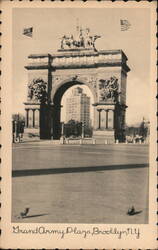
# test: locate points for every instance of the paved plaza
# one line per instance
(80, 183)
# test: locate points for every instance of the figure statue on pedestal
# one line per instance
(67, 42)
(87, 38)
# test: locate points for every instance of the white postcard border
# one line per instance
(12, 240)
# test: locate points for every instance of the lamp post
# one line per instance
(82, 130)
(62, 133)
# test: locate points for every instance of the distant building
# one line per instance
(78, 107)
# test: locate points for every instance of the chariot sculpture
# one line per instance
(83, 39)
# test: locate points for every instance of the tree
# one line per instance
(73, 128)
(18, 117)
(143, 129)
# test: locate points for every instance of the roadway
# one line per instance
(80, 183)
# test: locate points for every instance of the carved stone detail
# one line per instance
(108, 89)
(57, 79)
(90, 80)
(37, 90)
(93, 81)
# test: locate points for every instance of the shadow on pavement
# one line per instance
(35, 215)
(29, 172)
(31, 216)
(134, 213)
(137, 212)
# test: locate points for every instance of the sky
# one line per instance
(51, 24)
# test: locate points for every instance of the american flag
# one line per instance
(125, 25)
(28, 31)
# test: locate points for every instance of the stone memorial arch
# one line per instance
(77, 62)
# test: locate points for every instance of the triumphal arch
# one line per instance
(77, 62)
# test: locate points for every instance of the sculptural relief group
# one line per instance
(83, 39)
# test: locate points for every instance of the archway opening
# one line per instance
(80, 109)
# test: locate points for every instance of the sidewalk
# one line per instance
(36, 140)
(72, 142)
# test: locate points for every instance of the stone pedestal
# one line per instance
(105, 122)
(109, 122)
(32, 123)
(104, 135)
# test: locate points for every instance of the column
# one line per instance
(111, 119)
(107, 125)
(30, 118)
(99, 118)
(37, 118)
(33, 118)
(27, 118)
